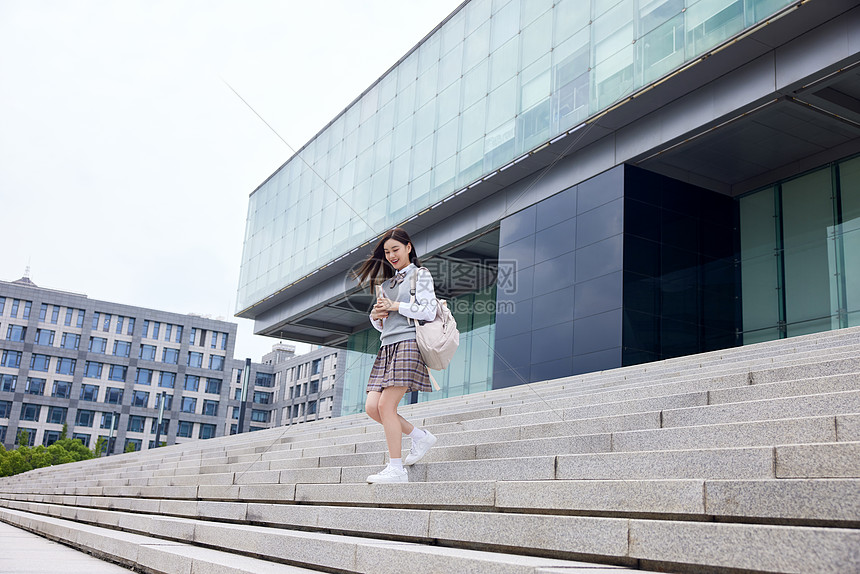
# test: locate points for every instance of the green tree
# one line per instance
(23, 438)
(130, 447)
(65, 432)
(101, 446)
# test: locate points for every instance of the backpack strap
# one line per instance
(413, 281)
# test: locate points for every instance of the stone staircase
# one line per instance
(742, 460)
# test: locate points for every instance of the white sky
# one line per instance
(126, 162)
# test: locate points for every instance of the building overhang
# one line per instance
(775, 101)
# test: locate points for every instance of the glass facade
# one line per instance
(800, 254)
(496, 80)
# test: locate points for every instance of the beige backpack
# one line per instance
(437, 339)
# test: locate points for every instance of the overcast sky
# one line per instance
(126, 162)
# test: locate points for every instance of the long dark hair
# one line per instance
(376, 268)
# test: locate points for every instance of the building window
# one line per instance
(168, 403)
(7, 383)
(117, 372)
(136, 423)
(156, 327)
(178, 338)
(57, 415)
(35, 386)
(84, 438)
(195, 359)
(147, 352)
(192, 383)
(235, 414)
(145, 328)
(2, 304)
(55, 315)
(43, 311)
(119, 324)
(237, 394)
(216, 363)
(113, 396)
(189, 404)
(85, 418)
(234, 429)
(93, 370)
(95, 325)
(97, 345)
(213, 340)
(40, 363)
(49, 437)
(144, 377)
(206, 431)
(66, 366)
(315, 387)
(89, 393)
(28, 305)
(213, 386)
(108, 419)
(170, 356)
(62, 389)
(13, 312)
(315, 367)
(210, 408)
(140, 399)
(70, 313)
(16, 333)
(262, 398)
(121, 348)
(167, 380)
(30, 412)
(106, 323)
(5, 409)
(130, 330)
(45, 337)
(312, 407)
(184, 429)
(168, 331)
(259, 416)
(223, 341)
(70, 341)
(135, 443)
(193, 336)
(264, 380)
(81, 315)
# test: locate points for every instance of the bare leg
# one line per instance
(393, 424)
(371, 407)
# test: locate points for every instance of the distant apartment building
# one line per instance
(103, 369)
(286, 389)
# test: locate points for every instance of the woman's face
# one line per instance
(397, 253)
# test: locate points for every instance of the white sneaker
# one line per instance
(389, 474)
(420, 447)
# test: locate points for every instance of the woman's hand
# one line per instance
(377, 315)
(386, 305)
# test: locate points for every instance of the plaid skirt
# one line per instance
(399, 365)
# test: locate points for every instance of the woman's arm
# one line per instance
(424, 308)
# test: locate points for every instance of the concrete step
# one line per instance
(622, 541)
(143, 553)
(315, 549)
(831, 502)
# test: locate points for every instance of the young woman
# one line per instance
(399, 367)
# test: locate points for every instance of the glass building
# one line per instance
(594, 184)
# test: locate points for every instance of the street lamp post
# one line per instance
(113, 426)
(246, 377)
(160, 418)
